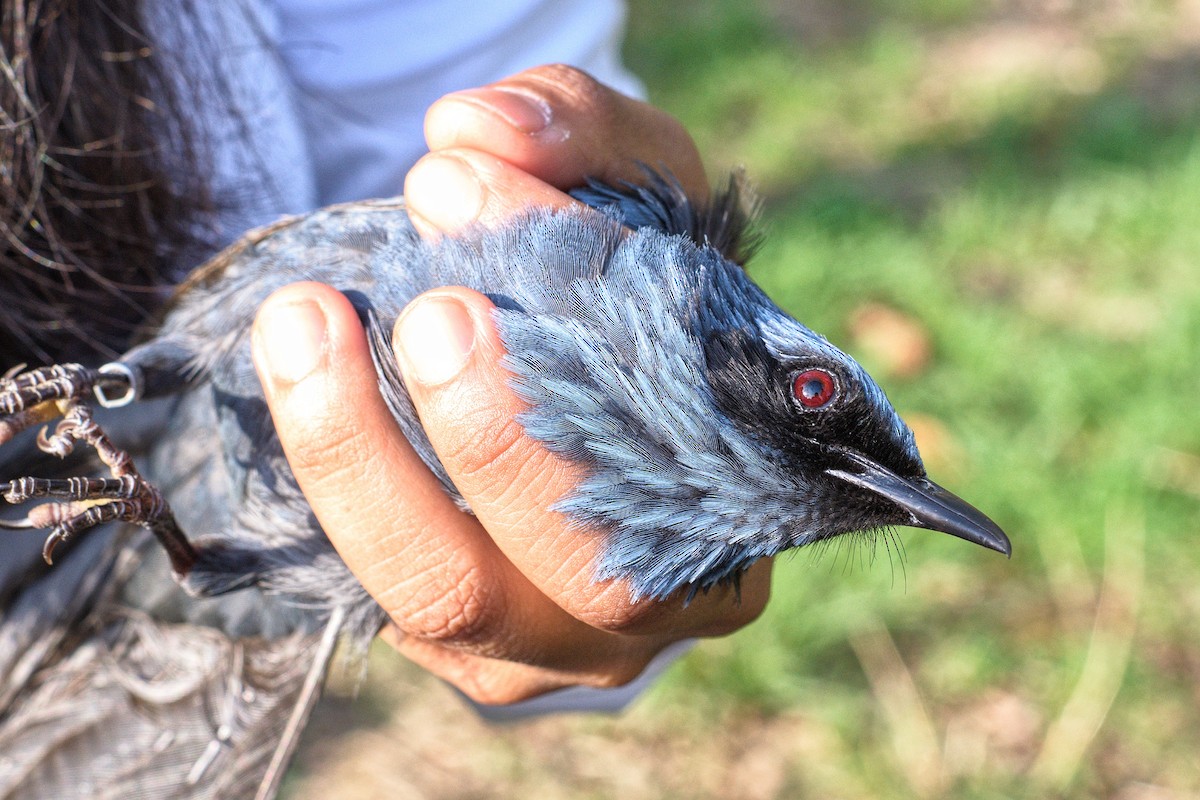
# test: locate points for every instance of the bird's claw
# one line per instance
(28, 397)
(82, 502)
(34, 396)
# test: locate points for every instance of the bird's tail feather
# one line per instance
(101, 700)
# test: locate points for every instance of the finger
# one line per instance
(447, 191)
(563, 126)
(469, 414)
(433, 569)
(499, 682)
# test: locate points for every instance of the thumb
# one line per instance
(341, 440)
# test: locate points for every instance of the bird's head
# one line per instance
(713, 428)
(816, 411)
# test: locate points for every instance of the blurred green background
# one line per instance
(996, 207)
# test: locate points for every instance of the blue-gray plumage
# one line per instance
(711, 428)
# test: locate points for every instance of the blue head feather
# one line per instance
(618, 363)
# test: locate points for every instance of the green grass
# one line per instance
(1035, 208)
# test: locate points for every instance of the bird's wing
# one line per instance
(237, 253)
(99, 700)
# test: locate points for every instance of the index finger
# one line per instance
(522, 141)
(561, 125)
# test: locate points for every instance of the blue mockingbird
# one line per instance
(711, 428)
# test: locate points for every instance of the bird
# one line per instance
(711, 429)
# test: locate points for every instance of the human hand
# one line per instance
(504, 604)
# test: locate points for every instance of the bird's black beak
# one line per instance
(930, 505)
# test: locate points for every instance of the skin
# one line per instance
(502, 605)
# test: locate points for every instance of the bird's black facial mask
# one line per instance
(803, 404)
(820, 411)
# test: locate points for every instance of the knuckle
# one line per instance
(610, 613)
(470, 613)
(575, 88)
(659, 139)
(746, 613)
(479, 451)
(493, 686)
(503, 683)
(620, 674)
(738, 616)
(500, 466)
(320, 453)
(672, 137)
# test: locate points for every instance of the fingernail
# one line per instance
(526, 112)
(445, 191)
(435, 337)
(290, 337)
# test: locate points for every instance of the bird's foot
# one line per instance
(82, 502)
(30, 397)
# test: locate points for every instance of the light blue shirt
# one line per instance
(310, 102)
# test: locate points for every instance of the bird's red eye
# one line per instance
(813, 388)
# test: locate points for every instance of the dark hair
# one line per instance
(100, 190)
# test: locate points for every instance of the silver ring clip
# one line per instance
(122, 374)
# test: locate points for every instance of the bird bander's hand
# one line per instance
(503, 605)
